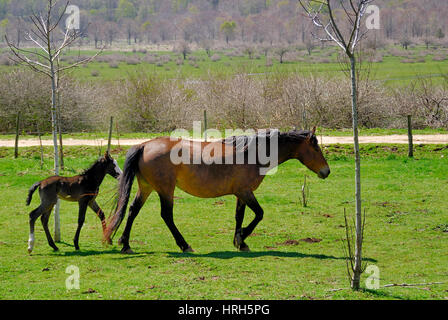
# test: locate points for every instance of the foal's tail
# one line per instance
(31, 191)
(130, 169)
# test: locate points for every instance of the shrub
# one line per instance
(132, 61)
(439, 58)
(30, 93)
(216, 57)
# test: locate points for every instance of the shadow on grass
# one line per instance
(381, 294)
(215, 255)
(255, 254)
(85, 253)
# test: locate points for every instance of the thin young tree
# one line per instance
(49, 40)
(346, 31)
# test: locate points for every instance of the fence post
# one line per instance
(411, 147)
(41, 148)
(110, 134)
(16, 146)
(205, 125)
(118, 134)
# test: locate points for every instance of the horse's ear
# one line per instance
(312, 133)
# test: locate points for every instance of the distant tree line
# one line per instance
(249, 21)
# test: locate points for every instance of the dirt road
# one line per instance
(393, 139)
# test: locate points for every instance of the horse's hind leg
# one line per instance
(137, 204)
(167, 216)
(238, 240)
(33, 217)
(83, 203)
(44, 218)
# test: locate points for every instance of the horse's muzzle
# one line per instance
(324, 173)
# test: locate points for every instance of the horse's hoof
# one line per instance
(237, 240)
(30, 250)
(127, 251)
(56, 249)
(244, 249)
(189, 249)
(109, 241)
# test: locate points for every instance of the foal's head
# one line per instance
(110, 165)
(310, 154)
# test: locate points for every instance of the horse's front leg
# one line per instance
(250, 200)
(238, 240)
(83, 203)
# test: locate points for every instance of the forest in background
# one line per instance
(204, 21)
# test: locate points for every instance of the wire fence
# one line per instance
(42, 127)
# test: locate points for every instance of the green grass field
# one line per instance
(406, 234)
(392, 70)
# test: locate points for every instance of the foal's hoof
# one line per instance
(189, 249)
(127, 251)
(107, 241)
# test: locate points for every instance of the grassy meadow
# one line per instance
(406, 234)
(391, 65)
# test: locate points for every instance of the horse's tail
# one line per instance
(130, 169)
(31, 191)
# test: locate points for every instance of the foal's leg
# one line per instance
(250, 200)
(44, 219)
(83, 203)
(239, 216)
(96, 208)
(137, 204)
(166, 203)
(36, 213)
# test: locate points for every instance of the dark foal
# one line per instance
(152, 164)
(82, 188)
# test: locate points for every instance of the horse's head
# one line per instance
(111, 165)
(310, 154)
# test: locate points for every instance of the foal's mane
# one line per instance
(92, 167)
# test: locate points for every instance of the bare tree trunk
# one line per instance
(358, 248)
(59, 126)
(54, 128)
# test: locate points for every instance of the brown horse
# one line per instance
(82, 188)
(152, 163)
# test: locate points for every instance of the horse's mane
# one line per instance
(241, 143)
